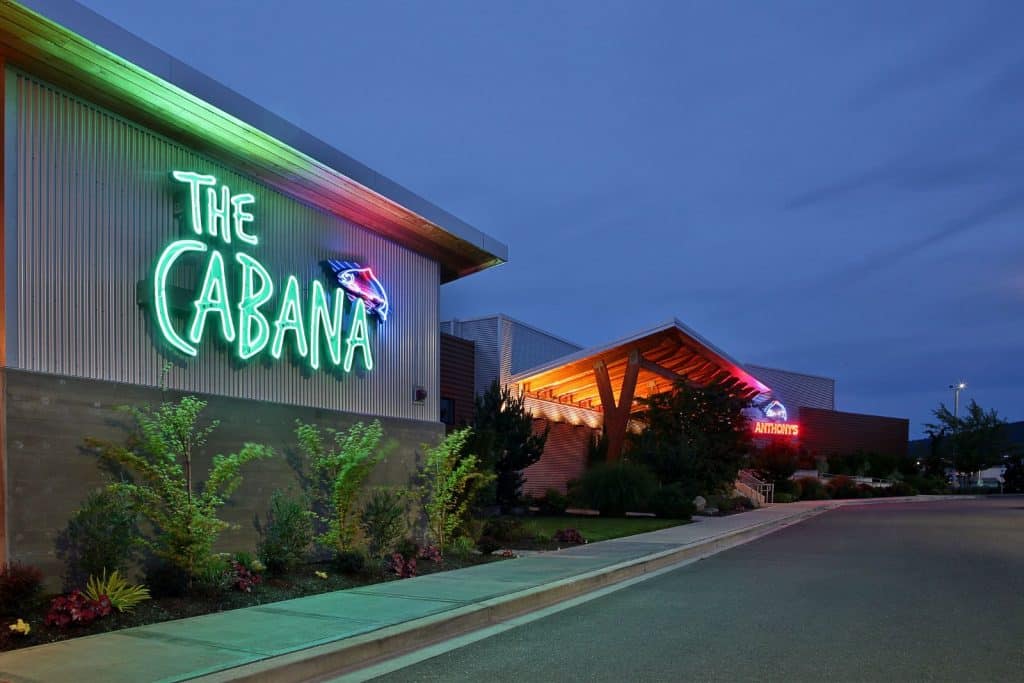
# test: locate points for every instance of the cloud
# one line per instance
(886, 258)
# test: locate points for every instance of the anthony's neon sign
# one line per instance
(321, 325)
(776, 428)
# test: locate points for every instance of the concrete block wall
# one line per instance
(48, 473)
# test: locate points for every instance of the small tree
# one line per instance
(341, 464)
(695, 436)
(776, 461)
(287, 534)
(504, 440)
(160, 453)
(445, 477)
(970, 443)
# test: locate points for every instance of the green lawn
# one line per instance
(599, 528)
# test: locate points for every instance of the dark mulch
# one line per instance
(271, 589)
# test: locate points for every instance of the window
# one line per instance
(447, 411)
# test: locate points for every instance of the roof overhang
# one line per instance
(668, 353)
(96, 59)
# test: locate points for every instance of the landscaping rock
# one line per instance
(700, 503)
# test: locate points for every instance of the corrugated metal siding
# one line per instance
(797, 390)
(457, 368)
(564, 459)
(561, 412)
(530, 347)
(505, 347)
(828, 432)
(95, 207)
(484, 333)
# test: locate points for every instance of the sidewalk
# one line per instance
(310, 636)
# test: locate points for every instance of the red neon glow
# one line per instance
(777, 428)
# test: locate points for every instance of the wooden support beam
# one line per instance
(658, 370)
(617, 411)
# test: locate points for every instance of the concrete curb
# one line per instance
(367, 649)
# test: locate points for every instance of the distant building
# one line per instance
(576, 392)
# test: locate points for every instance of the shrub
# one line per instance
(462, 547)
(784, 498)
(288, 533)
(672, 502)
(19, 587)
(555, 502)
(504, 529)
(123, 596)
(569, 536)
(431, 553)
(615, 488)
(242, 578)
(341, 464)
(867, 491)
(350, 562)
(488, 544)
(902, 488)
(445, 476)
(738, 504)
(160, 453)
(164, 579)
(76, 608)
(787, 486)
(407, 547)
(811, 488)
(842, 487)
(384, 520)
(102, 536)
(403, 567)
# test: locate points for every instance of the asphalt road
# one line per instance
(916, 592)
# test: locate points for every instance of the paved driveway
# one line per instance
(885, 592)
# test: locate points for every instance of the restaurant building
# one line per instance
(576, 393)
(164, 235)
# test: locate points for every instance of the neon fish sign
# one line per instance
(321, 325)
(776, 428)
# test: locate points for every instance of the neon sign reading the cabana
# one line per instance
(319, 330)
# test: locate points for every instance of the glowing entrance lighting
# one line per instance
(776, 428)
(217, 217)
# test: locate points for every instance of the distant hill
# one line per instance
(918, 448)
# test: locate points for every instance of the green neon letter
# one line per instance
(195, 181)
(217, 215)
(213, 298)
(252, 342)
(358, 338)
(320, 318)
(163, 316)
(240, 217)
(289, 318)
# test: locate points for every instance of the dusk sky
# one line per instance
(832, 188)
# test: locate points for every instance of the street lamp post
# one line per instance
(957, 388)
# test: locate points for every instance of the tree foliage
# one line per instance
(341, 461)
(160, 453)
(446, 476)
(776, 461)
(504, 441)
(694, 436)
(969, 443)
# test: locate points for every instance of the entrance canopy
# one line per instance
(611, 377)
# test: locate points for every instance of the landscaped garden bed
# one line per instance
(140, 550)
(311, 579)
